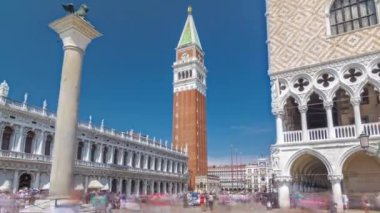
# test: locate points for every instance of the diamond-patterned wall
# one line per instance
(298, 36)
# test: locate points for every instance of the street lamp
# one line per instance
(364, 141)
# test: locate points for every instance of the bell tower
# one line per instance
(189, 102)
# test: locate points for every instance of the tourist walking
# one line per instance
(211, 201)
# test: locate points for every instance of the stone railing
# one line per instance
(339, 132)
(292, 136)
(24, 156)
(318, 134)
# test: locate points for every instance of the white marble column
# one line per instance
(358, 119)
(138, 160)
(137, 187)
(121, 157)
(76, 34)
(158, 186)
(159, 164)
(279, 127)
(129, 158)
(303, 110)
(40, 143)
(111, 152)
(15, 181)
(330, 123)
(165, 166)
(87, 152)
(18, 139)
(145, 192)
(337, 190)
(99, 154)
(152, 187)
(129, 187)
(284, 191)
(153, 163)
(86, 184)
(146, 162)
(120, 185)
(170, 188)
(36, 183)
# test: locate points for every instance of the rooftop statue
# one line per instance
(81, 12)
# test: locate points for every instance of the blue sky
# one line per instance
(127, 74)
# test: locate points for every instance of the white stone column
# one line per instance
(40, 143)
(284, 191)
(152, 187)
(36, 183)
(158, 186)
(330, 123)
(165, 166)
(15, 181)
(121, 157)
(129, 159)
(279, 127)
(159, 164)
(303, 110)
(337, 190)
(86, 184)
(18, 139)
(153, 163)
(358, 119)
(100, 148)
(110, 154)
(138, 160)
(170, 188)
(76, 34)
(87, 152)
(137, 187)
(129, 187)
(145, 192)
(120, 185)
(146, 162)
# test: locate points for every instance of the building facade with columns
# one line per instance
(324, 66)
(126, 162)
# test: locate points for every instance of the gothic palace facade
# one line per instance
(324, 65)
(123, 162)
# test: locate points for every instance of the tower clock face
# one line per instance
(184, 56)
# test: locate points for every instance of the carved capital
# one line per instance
(335, 178)
(302, 108)
(278, 112)
(283, 179)
(355, 101)
(328, 105)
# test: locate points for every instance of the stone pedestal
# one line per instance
(76, 34)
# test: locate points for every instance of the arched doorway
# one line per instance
(124, 187)
(114, 185)
(309, 175)
(25, 181)
(361, 174)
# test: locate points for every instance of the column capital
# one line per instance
(74, 31)
(328, 104)
(335, 178)
(278, 112)
(302, 108)
(355, 101)
(283, 179)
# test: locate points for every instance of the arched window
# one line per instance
(348, 15)
(191, 73)
(115, 156)
(93, 151)
(48, 143)
(179, 76)
(141, 161)
(105, 151)
(125, 158)
(29, 142)
(79, 151)
(7, 135)
(187, 74)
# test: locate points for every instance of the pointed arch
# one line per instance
(307, 151)
(289, 95)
